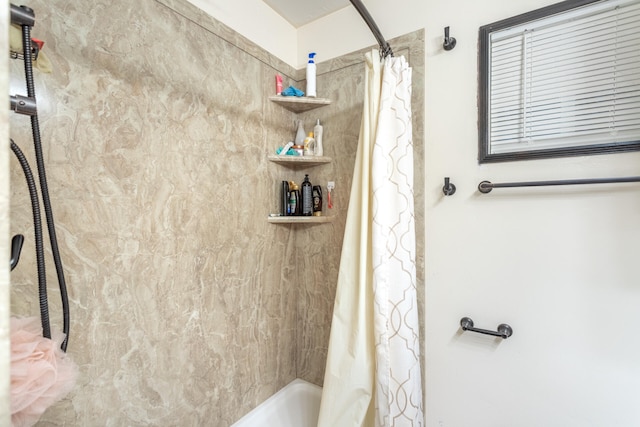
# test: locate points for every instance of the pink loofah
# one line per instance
(41, 373)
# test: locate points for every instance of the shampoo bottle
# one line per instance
(317, 133)
(294, 199)
(309, 145)
(311, 76)
(307, 197)
(317, 200)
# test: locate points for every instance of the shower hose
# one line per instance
(35, 130)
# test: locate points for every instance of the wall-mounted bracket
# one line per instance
(23, 105)
(449, 189)
(449, 42)
(504, 331)
(16, 249)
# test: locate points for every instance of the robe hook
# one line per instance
(449, 189)
(449, 42)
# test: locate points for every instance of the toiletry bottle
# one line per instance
(317, 134)
(307, 197)
(317, 200)
(298, 149)
(309, 145)
(278, 84)
(300, 133)
(311, 76)
(294, 196)
(284, 198)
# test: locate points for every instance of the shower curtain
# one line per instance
(372, 376)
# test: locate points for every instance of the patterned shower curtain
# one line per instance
(372, 376)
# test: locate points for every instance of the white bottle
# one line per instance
(311, 76)
(317, 133)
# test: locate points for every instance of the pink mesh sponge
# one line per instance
(41, 373)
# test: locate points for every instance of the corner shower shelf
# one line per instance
(300, 219)
(299, 160)
(299, 104)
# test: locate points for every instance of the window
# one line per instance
(559, 81)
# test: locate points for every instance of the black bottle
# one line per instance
(307, 197)
(284, 198)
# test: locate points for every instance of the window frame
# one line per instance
(484, 69)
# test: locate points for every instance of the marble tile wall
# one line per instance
(187, 307)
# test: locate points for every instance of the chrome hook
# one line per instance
(449, 42)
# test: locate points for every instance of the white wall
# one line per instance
(345, 31)
(557, 263)
(257, 22)
(334, 35)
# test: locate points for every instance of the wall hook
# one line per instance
(449, 189)
(449, 42)
(16, 248)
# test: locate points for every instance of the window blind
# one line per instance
(567, 80)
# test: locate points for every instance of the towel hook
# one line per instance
(449, 42)
(449, 189)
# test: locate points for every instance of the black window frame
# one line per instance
(484, 154)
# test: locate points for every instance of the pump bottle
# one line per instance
(307, 197)
(311, 76)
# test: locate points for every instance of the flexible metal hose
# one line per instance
(37, 228)
(35, 129)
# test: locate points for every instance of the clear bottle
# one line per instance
(307, 197)
(317, 134)
(309, 145)
(300, 133)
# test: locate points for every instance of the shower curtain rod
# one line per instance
(385, 48)
(486, 186)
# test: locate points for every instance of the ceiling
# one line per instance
(301, 12)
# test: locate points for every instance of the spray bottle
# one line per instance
(311, 76)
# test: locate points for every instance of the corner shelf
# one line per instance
(299, 160)
(299, 104)
(300, 219)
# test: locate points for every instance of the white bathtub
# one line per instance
(296, 405)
